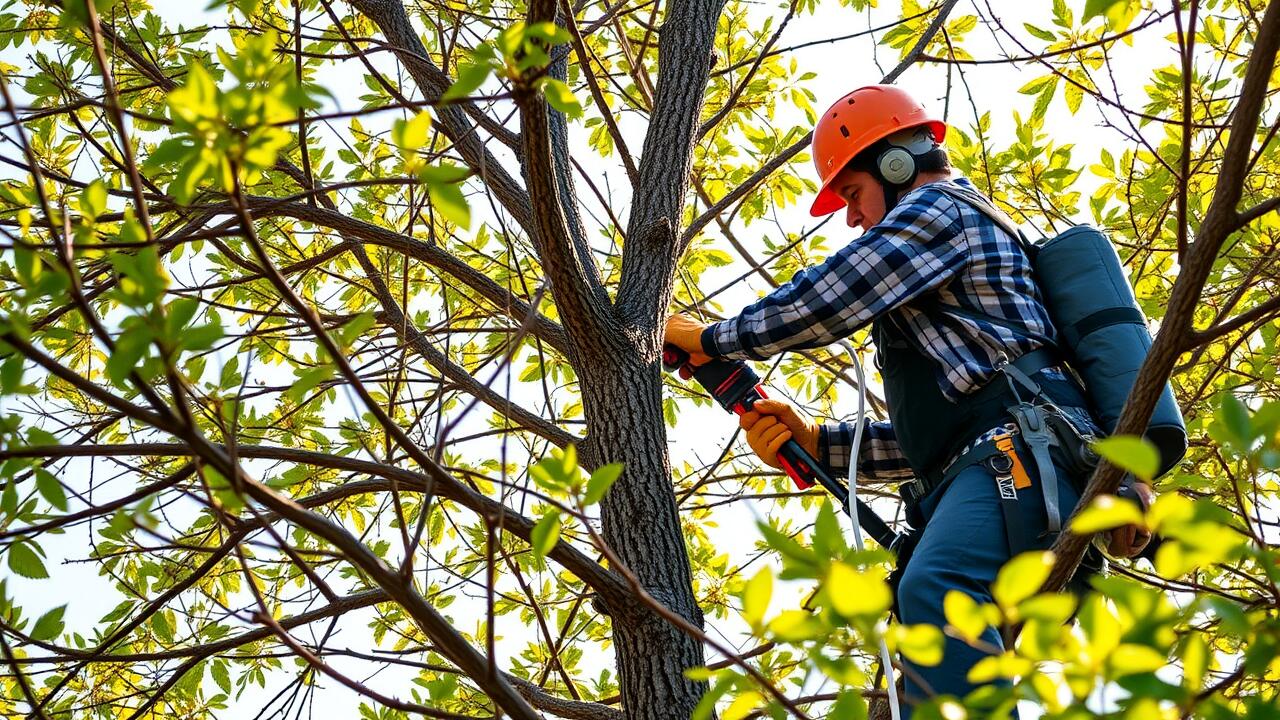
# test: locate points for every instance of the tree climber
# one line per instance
(958, 322)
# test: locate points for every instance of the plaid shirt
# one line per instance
(928, 245)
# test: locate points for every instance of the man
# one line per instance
(955, 316)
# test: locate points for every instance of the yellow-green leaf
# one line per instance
(921, 644)
(756, 595)
(963, 614)
(1131, 659)
(545, 534)
(1132, 454)
(1105, 513)
(854, 593)
(1020, 578)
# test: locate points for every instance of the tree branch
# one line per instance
(1218, 224)
(652, 253)
(391, 18)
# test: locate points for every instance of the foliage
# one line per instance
(415, 406)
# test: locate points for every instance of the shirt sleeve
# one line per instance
(881, 457)
(917, 248)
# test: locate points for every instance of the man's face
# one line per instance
(864, 196)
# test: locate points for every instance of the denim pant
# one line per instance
(962, 548)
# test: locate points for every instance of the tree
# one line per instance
(270, 320)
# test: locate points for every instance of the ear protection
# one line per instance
(896, 163)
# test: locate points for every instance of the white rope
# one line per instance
(886, 662)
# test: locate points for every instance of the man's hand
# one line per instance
(686, 333)
(771, 423)
(1129, 540)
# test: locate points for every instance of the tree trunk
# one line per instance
(623, 398)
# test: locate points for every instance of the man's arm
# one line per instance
(917, 248)
(880, 458)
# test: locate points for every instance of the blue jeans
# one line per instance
(962, 548)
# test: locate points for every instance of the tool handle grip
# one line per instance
(806, 471)
(673, 358)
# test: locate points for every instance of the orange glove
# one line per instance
(686, 333)
(1129, 540)
(771, 423)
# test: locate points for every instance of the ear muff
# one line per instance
(898, 161)
(896, 165)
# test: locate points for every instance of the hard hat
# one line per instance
(854, 123)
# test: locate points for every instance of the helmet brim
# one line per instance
(829, 201)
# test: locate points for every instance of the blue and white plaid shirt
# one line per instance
(927, 245)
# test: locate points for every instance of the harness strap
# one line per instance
(1038, 436)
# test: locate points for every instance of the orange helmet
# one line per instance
(853, 124)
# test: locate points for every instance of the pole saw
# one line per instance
(736, 387)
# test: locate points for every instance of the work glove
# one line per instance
(1129, 540)
(686, 333)
(771, 423)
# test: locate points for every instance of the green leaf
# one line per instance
(51, 489)
(201, 337)
(545, 534)
(558, 471)
(827, 537)
(849, 705)
(1105, 513)
(561, 97)
(220, 675)
(964, 615)
(755, 597)
(178, 314)
(1020, 578)
(93, 199)
(600, 482)
(160, 624)
(470, 77)
(49, 626)
(356, 327)
(130, 348)
(169, 152)
(1041, 34)
(447, 200)
(1234, 415)
(854, 593)
(1037, 85)
(1131, 454)
(307, 380)
(788, 548)
(24, 561)
(443, 173)
(1095, 8)
(11, 374)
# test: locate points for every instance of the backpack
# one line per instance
(1102, 333)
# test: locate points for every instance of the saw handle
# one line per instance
(736, 387)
